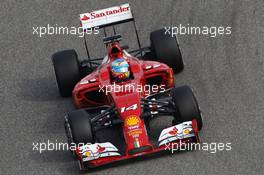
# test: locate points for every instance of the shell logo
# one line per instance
(88, 154)
(186, 131)
(132, 120)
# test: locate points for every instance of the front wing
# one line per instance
(98, 154)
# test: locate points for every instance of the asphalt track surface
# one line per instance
(226, 72)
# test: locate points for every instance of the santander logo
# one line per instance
(104, 13)
(174, 131)
(85, 18)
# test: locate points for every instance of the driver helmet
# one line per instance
(120, 70)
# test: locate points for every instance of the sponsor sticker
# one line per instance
(135, 133)
(106, 16)
(132, 120)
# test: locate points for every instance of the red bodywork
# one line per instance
(86, 94)
(142, 72)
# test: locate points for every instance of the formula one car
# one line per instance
(114, 105)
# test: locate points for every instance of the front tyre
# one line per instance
(78, 127)
(186, 105)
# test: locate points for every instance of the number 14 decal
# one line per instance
(132, 107)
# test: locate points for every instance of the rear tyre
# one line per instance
(78, 127)
(67, 71)
(186, 105)
(166, 49)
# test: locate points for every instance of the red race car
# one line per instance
(117, 98)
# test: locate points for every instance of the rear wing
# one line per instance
(107, 17)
